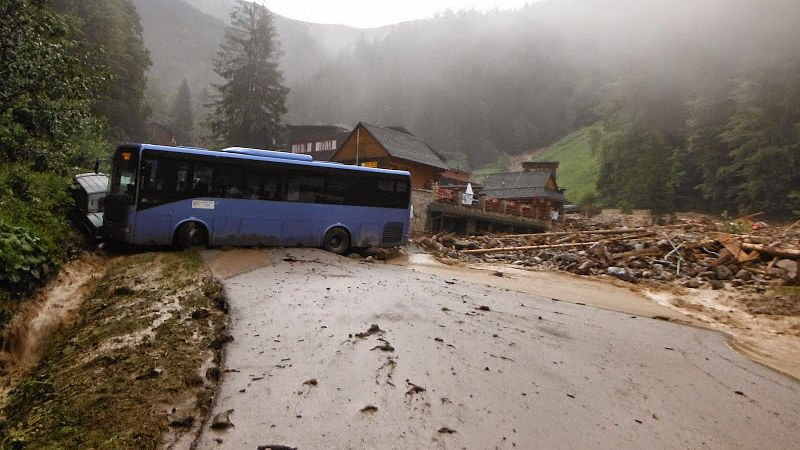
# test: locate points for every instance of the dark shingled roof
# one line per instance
(520, 185)
(406, 146)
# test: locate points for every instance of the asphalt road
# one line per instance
(461, 364)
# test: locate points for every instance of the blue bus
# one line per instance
(185, 197)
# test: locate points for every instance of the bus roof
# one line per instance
(251, 157)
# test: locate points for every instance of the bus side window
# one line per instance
(201, 180)
(228, 182)
(263, 185)
(401, 194)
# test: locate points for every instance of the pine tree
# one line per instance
(110, 32)
(182, 115)
(249, 104)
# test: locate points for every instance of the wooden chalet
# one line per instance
(319, 141)
(392, 148)
(535, 186)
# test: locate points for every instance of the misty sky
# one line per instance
(373, 13)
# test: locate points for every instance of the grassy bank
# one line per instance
(147, 340)
(579, 167)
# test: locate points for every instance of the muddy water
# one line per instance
(560, 286)
(231, 262)
(461, 363)
(56, 305)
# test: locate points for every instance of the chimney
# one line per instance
(540, 166)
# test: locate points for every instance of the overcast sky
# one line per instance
(374, 13)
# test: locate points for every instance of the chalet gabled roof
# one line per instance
(405, 146)
(513, 185)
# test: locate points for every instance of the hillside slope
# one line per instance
(579, 168)
(182, 42)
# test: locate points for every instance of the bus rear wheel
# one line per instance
(337, 240)
(190, 234)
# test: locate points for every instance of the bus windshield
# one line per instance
(123, 177)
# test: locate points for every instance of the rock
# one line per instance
(658, 269)
(185, 422)
(566, 257)
(369, 409)
(378, 253)
(621, 273)
(220, 341)
(213, 374)
(222, 420)
(498, 274)
(201, 313)
(585, 267)
(692, 283)
(193, 380)
(723, 273)
(518, 263)
(666, 276)
(154, 372)
(789, 266)
(462, 244)
(717, 284)
(744, 275)
(647, 274)
(708, 275)
(636, 264)
(777, 272)
(535, 260)
(369, 259)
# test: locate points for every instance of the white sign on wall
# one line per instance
(202, 204)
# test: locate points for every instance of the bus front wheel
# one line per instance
(337, 240)
(190, 234)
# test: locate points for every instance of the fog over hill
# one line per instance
(708, 91)
(183, 37)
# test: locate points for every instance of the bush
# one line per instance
(25, 260)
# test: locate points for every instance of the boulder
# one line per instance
(789, 266)
(723, 273)
(692, 283)
(744, 275)
(621, 273)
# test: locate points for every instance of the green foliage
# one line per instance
(634, 169)
(24, 259)
(251, 101)
(110, 36)
(579, 167)
(42, 210)
(45, 86)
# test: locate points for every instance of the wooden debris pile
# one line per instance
(694, 252)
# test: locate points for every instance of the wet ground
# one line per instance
(459, 360)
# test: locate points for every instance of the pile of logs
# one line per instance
(694, 252)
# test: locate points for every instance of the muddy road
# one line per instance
(331, 352)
